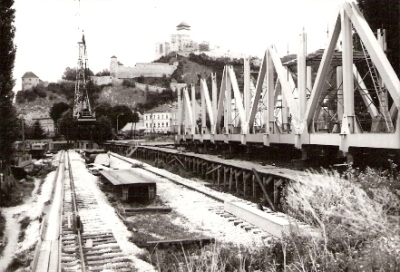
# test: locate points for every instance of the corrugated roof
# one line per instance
(29, 75)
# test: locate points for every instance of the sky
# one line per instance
(47, 31)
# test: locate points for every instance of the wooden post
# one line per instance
(254, 185)
(263, 188)
(219, 176)
(231, 179)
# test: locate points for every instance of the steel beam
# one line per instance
(301, 73)
(375, 51)
(210, 110)
(194, 111)
(285, 86)
(259, 85)
(238, 100)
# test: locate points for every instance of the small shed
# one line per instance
(130, 185)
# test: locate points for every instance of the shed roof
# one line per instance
(29, 75)
(125, 177)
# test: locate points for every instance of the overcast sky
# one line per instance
(47, 31)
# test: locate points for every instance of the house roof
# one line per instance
(162, 108)
(29, 75)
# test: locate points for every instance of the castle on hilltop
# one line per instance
(182, 44)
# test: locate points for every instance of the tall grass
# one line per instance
(357, 215)
(359, 223)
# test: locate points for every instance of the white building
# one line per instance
(162, 119)
(162, 49)
(29, 80)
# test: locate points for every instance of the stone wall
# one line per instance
(146, 70)
(101, 80)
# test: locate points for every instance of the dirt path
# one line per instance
(11, 232)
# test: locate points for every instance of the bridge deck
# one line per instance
(244, 165)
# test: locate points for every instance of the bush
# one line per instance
(39, 91)
(27, 95)
(128, 83)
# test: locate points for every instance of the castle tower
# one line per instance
(29, 80)
(114, 66)
(181, 40)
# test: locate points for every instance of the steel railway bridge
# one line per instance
(334, 103)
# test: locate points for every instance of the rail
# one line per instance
(44, 223)
(75, 209)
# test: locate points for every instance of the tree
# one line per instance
(103, 109)
(105, 72)
(70, 74)
(102, 130)
(385, 14)
(121, 112)
(57, 110)
(129, 83)
(141, 79)
(8, 117)
(67, 126)
(134, 120)
(37, 131)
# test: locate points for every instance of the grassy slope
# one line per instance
(119, 95)
(114, 95)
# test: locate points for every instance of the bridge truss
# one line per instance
(338, 100)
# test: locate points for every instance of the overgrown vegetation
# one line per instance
(21, 261)
(356, 221)
(358, 218)
(154, 99)
(2, 229)
(8, 120)
(24, 224)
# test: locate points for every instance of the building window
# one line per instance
(166, 116)
(166, 124)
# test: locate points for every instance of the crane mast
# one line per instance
(82, 110)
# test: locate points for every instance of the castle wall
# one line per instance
(102, 80)
(146, 70)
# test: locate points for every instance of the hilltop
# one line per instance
(142, 92)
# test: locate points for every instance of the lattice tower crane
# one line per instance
(82, 110)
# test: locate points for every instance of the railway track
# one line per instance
(93, 246)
